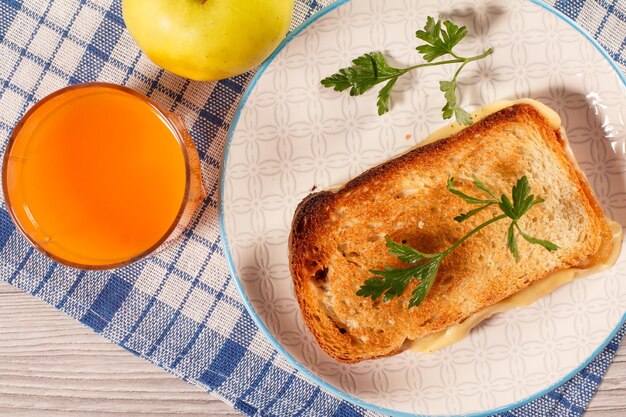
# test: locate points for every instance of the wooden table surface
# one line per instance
(51, 365)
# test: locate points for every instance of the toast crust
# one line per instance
(337, 237)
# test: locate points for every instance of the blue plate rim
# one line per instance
(257, 319)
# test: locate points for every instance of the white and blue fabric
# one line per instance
(179, 308)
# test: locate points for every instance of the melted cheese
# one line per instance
(532, 293)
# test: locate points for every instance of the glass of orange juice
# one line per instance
(97, 176)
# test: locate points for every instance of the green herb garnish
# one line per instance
(372, 68)
(391, 282)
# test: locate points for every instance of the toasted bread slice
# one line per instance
(337, 237)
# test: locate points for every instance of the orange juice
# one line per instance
(96, 176)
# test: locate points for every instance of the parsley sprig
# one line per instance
(391, 282)
(372, 68)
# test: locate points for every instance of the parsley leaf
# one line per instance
(405, 253)
(451, 107)
(393, 281)
(427, 278)
(366, 71)
(510, 241)
(472, 200)
(384, 97)
(370, 69)
(523, 201)
(465, 197)
(439, 42)
(533, 240)
(464, 216)
(479, 184)
(507, 207)
(389, 282)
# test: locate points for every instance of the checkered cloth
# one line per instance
(179, 309)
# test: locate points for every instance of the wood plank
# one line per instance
(48, 367)
(52, 365)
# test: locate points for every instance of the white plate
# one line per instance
(291, 134)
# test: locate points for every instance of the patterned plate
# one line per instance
(290, 135)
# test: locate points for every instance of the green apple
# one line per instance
(207, 39)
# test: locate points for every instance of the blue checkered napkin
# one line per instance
(179, 309)
(604, 20)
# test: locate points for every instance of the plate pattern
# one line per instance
(294, 136)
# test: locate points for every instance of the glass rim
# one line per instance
(174, 124)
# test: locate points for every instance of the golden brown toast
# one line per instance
(337, 237)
